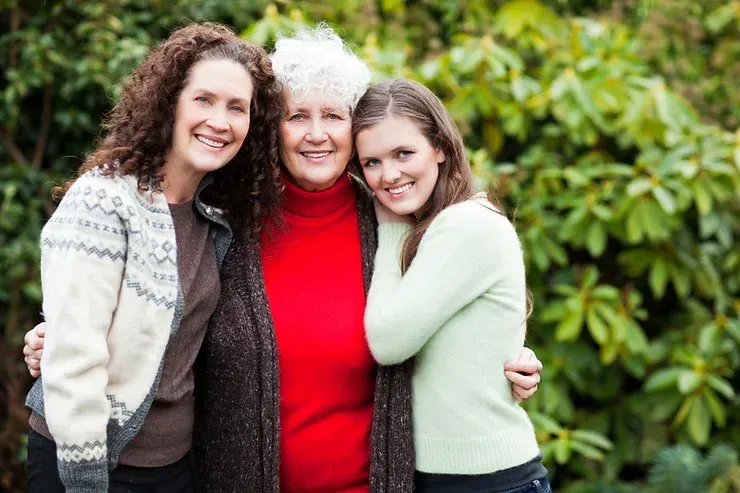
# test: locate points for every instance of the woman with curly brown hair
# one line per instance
(130, 264)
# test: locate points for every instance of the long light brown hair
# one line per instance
(409, 99)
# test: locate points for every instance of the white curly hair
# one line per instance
(317, 60)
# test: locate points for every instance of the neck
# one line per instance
(301, 202)
(179, 184)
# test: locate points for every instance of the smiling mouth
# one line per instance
(401, 189)
(318, 155)
(210, 142)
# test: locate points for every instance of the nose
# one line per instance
(316, 132)
(218, 121)
(391, 173)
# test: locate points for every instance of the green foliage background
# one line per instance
(608, 127)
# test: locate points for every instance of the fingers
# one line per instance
(518, 366)
(526, 382)
(522, 395)
(34, 349)
(32, 363)
(34, 338)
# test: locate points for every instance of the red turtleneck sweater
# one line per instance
(313, 275)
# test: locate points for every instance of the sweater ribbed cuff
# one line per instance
(391, 237)
(88, 477)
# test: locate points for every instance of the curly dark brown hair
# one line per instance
(139, 128)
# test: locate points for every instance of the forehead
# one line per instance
(311, 100)
(388, 134)
(221, 77)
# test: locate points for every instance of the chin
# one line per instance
(401, 209)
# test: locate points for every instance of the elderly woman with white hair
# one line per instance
(288, 397)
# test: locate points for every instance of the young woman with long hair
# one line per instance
(449, 291)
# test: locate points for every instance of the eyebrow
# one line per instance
(305, 109)
(393, 151)
(206, 92)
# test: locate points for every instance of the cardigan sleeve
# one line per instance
(463, 253)
(83, 253)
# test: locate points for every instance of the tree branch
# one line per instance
(38, 155)
(15, 153)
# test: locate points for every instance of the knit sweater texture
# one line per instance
(166, 434)
(111, 302)
(327, 375)
(460, 311)
(237, 433)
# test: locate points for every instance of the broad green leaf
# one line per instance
(635, 339)
(664, 379)
(609, 352)
(596, 239)
(715, 406)
(593, 438)
(681, 280)
(605, 293)
(702, 198)
(733, 328)
(586, 450)
(563, 451)
(570, 327)
(639, 186)
(665, 199)
(590, 277)
(658, 278)
(721, 385)
(721, 17)
(597, 327)
(546, 423)
(689, 381)
(699, 423)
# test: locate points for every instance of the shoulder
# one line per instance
(475, 218)
(95, 187)
(110, 199)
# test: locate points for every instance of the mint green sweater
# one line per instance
(460, 311)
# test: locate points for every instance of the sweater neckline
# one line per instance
(299, 202)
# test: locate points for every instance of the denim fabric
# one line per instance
(475, 484)
(537, 486)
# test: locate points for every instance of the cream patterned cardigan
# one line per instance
(111, 300)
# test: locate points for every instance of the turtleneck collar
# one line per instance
(317, 204)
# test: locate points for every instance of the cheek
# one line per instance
(243, 129)
(287, 139)
(373, 177)
(343, 139)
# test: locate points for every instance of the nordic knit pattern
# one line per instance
(460, 311)
(111, 301)
(236, 441)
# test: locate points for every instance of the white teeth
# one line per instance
(209, 142)
(401, 189)
(315, 155)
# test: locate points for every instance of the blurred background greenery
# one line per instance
(609, 128)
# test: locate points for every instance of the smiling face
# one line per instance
(399, 164)
(315, 141)
(211, 118)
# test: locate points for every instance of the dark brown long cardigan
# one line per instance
(236, 443)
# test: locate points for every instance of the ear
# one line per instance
(440, 156)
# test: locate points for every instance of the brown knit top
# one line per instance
(236, 437)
